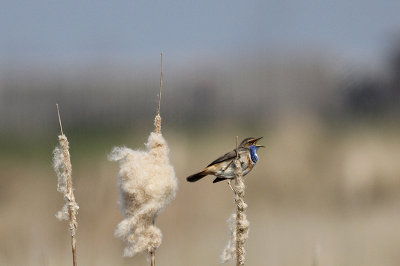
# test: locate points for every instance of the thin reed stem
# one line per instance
(153, 251)
(73, 245)
(153, 258)
(59, 119)
(158, 116)
(161, 82)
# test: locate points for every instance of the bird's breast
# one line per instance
(247, 164)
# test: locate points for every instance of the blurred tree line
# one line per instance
(263, 86)
(376, 94)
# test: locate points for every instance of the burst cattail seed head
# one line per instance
(238, 223)
(62, 167)
(147, 184)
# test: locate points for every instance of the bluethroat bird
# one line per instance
(224, 167)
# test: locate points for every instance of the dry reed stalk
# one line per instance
(147, 184)
(238, 223)
(63, 168)
(157, 123)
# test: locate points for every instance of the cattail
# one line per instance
(238, 223)
(147, 184)
(63, 169)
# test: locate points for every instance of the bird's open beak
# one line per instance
(256, 140)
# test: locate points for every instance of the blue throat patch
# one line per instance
(253, 153)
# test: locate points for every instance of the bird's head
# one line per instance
(248, 142)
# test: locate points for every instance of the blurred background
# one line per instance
(319, 80)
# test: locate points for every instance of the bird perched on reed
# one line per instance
(224, 167)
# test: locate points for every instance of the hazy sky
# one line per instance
(84, 30)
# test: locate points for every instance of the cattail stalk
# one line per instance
(62, 166)
(157, 122)
(147, 184)
(239, 225)
(242, 225)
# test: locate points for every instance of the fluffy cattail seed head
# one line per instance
(63, 169)
(147, 184)
(238, 223)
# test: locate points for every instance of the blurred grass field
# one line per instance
(320, 192)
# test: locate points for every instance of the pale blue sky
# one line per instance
(84, 30)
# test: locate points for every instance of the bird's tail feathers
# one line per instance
(196, 177)
(219, 179)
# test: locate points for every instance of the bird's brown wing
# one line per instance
(227, 156)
